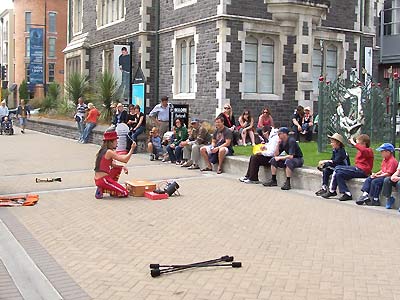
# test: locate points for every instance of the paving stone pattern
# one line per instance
(292, 245)
(8, 290)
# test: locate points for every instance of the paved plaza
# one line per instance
(292, 244)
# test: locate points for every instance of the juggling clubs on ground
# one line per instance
(56, 179)
(157, 269)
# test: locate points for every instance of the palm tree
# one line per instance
(77, 86)
(107, 90)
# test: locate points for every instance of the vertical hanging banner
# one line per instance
(139, 89)
(122, 71)
(36, 56)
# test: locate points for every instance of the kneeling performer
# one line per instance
(106, 171)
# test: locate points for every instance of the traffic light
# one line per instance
(3, 72)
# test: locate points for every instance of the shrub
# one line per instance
(23, 90)
(77, 85)
(107, 91)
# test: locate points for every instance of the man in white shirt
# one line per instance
(263, 157)
(160, 114)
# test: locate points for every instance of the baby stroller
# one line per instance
(6, 126)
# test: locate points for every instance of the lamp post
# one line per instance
(395, 101)
(321, 100)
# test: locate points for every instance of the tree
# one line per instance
(107, 90)
(23, 90)
(77, 86)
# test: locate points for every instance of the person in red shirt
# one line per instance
(107, 171)
(364, 163)
(91, 121)
(373, 184)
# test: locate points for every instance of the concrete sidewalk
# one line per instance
(292, 245)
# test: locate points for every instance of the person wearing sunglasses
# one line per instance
(229, 122)
(265, 119)
(246, 127)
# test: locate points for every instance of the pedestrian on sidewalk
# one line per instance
(107, 172)
(364, 163)
(24, 113)
(287, 155)
(80, 114)
(373, 184)
(90, 121)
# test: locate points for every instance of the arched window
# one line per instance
(324, 62)
(266, 78)
(331, 62)
(187, 61)
(250, 68)
(259, 65)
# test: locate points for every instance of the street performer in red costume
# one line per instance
(106, 171)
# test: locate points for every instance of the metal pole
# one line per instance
(321, 114)
(44, 50)
(395, 97)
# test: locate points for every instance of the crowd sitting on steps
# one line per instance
(272, 147)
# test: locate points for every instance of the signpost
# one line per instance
(180, 111)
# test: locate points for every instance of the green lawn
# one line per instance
(312, 157)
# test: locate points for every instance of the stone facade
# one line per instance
(218, 32)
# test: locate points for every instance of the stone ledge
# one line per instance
(305, 178)
(68, 129)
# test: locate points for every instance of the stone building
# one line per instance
(52, 17)
(390, 39)
(248, 53)
(6, 50)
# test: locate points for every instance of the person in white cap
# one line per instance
(3, 110)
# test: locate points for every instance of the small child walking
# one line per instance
(373, 184)
(364, 162)
(339, 158)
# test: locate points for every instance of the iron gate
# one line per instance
(351, 108)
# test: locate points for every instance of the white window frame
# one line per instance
(110, 12)
(55, 21)
(189, 36)
(278, 63)
(108, 61)
(259, 63)
(340, 63)
(183, 3)
(27, 46)
(368, 8)
(27, 25)
(55, 47)
(77, 19)
(54, 72)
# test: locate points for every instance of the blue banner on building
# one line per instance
(36, 56)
